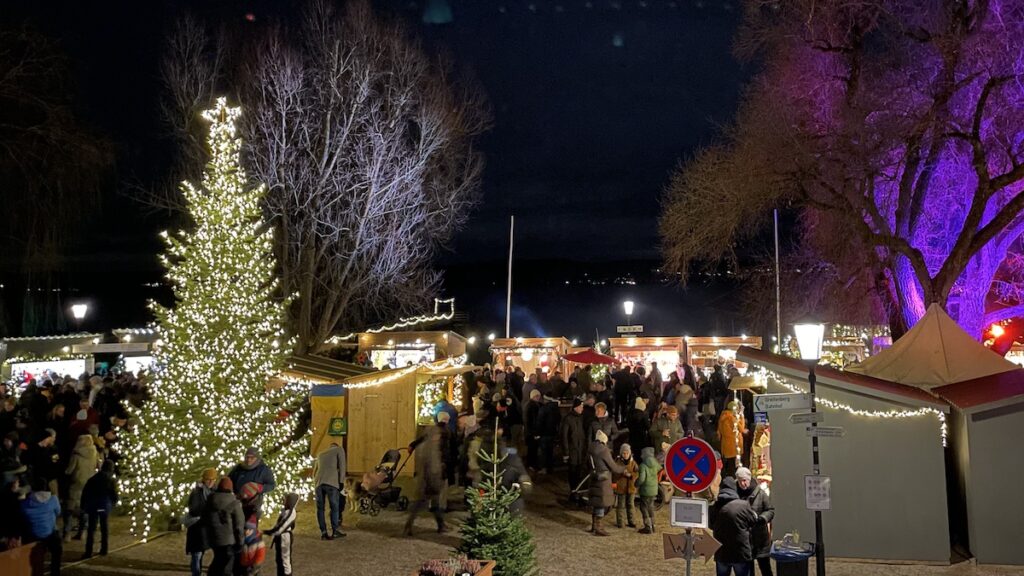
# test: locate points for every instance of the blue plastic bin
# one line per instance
(792, 561)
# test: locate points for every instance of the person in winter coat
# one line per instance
(44, 460)
(624, 392)
(647, 487)
(688, 413)
(604, 469)
(431, 475)
(282, 534)
(253, 469)
(81, 467)
(40, 511)
(732, 520)
(196, 543)
(531, 420)
(575, 448)
(718, 389)
(732, 427)
(603, 422)
(224, 526)
(665, 429)
(548, 419)
(639, 425)
(329, 479)
(98, 500)
(761, 503)
(513, 476)
(625, 487)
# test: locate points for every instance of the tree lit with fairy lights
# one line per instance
(218, 346)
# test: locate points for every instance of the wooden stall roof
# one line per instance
(988, 391)
(558, 342)
(47, 344)
(647, 343)
(322, 369)
(381, 339)
(714, 342)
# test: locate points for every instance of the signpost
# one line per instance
(691, 467)
(769, 402)
(632, 329)
(807, 418)
(825, 432)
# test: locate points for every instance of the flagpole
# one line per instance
(778, 291)
(508, 297)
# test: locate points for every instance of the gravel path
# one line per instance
(373, 546)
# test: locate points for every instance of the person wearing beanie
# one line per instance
(195, 539)
(282, 534)
(253, 469)
(639, 425)
(732, 520)
(224, 526)
(761, 503)
(604, 469)
(625, 487)
(575, 448)
(647, 486)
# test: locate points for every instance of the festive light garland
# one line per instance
(400, 372)
(764, 374)
(406, 322)
(221, 344)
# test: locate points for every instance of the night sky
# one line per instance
(594, 104)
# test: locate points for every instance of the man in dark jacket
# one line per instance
(548, 419)
(605, 423)
(329, 479)
(253, 469)
(575, 448)
(98, 500)
(624, 394)
(531, 421)
(432, 478)
(732, 520)
(718, 390)
(639, 425)
(761, 503)
(224, 524)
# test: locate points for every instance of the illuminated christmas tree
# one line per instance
(218, 346)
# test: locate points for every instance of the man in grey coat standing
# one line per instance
(329, 477)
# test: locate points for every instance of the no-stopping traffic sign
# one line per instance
(690, 464)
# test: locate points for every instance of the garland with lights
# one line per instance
(764, 374)
(221, 344)
(406, 322)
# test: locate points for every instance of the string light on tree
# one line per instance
(221, 343)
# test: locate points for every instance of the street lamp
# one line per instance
(809, 338)
(78, 311)
(627, 306)
(490, 337)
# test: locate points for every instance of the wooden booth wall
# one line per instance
(380, 418)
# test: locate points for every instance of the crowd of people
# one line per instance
(59, 458)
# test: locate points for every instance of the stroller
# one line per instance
(377, 488)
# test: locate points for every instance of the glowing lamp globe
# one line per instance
(627, 306)
(809, 338)
(79, 310)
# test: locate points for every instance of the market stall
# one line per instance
(40, 357)
(987, 392)
(665, 352)
(531, 353)
(888, 480)
(386, 350)
(704, 352)
(386, 408)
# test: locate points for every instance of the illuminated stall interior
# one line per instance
(386, 350)
(706, 351)
(40, 357)
(531, 353)
(665, 351)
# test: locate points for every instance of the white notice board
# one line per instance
(818, 492)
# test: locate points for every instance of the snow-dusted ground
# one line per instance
(373, 546)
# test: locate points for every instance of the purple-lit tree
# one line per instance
(895, 128)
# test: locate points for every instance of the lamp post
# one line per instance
(627, 306)
(809, 337)
(78, 311)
